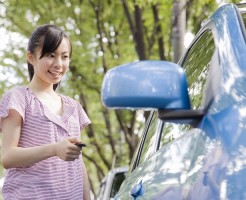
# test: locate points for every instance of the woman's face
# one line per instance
(51, 67)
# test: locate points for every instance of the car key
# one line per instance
(79, 144)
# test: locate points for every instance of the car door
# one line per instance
(145, 150)
(192, 145)
(171, 154)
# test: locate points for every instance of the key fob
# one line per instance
(79, 144)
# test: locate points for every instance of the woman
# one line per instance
(40, 127)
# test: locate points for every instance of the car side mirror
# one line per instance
(146, 85)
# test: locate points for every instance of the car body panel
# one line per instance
(163, 169)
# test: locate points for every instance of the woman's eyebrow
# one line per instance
(64, 52)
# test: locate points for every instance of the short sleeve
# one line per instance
(83, 118)
(13, 99)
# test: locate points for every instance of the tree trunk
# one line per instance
(179, 28)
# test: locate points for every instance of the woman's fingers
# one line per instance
(67, 150)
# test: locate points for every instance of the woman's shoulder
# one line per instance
(14, 98)
(17, 91)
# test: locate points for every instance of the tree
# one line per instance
(179, 29)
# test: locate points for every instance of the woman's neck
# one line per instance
(48, 97)
(38, 88)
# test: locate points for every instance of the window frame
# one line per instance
(139, 149)
(209, 29)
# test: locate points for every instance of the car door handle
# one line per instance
(137, 190)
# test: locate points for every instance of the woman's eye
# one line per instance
(51, 55)
(66, 57)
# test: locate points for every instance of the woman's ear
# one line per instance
(29, 57)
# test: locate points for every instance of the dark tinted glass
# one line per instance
(196, 65)
(119, 178)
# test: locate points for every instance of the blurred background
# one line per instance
(104, 33)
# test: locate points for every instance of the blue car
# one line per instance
(194, 142)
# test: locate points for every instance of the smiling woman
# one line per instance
(40, 127)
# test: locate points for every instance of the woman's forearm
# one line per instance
(23, 157)
(86, 193)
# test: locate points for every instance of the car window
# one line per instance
(119, 178)
(150, 142)
(196, 65)
(137, 153)
(172, 131)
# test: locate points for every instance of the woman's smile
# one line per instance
(55, 73)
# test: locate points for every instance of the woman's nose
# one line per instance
(58, 62)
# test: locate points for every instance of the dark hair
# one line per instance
(47, 37)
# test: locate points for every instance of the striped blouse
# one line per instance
(52, 178)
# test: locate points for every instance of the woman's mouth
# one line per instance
(55, 73)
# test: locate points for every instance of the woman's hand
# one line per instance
(67, 150)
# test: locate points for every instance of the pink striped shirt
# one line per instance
(52, 178)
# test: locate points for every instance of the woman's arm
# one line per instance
(14, 156)
(86, 193)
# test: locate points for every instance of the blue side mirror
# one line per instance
(146, 85)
